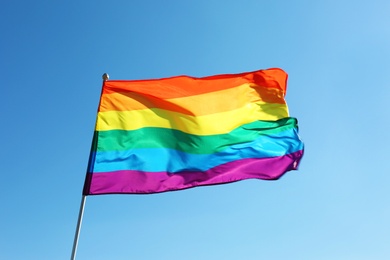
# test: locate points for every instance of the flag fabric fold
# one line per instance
(175, 133)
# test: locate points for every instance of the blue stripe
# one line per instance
(170, 160)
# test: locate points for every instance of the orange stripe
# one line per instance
(203, 104)
(182, 86)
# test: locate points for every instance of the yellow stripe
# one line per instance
(200, 125)
(196, 105)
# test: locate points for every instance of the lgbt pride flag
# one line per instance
(175, 133)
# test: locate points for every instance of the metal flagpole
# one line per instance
(76, 236)
(82, 205)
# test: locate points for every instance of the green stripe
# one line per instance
(152, 137)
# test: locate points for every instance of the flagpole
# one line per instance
(76, 236)
(82, 205)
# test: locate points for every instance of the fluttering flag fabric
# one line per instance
(175, 133)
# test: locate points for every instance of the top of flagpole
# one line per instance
(105, 77)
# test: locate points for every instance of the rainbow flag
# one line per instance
(175, 133)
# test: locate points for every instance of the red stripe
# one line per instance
(182, 86)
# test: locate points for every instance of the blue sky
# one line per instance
(337, 55)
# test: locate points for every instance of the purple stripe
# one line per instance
(152, 182)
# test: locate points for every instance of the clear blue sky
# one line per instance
(337, 54)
